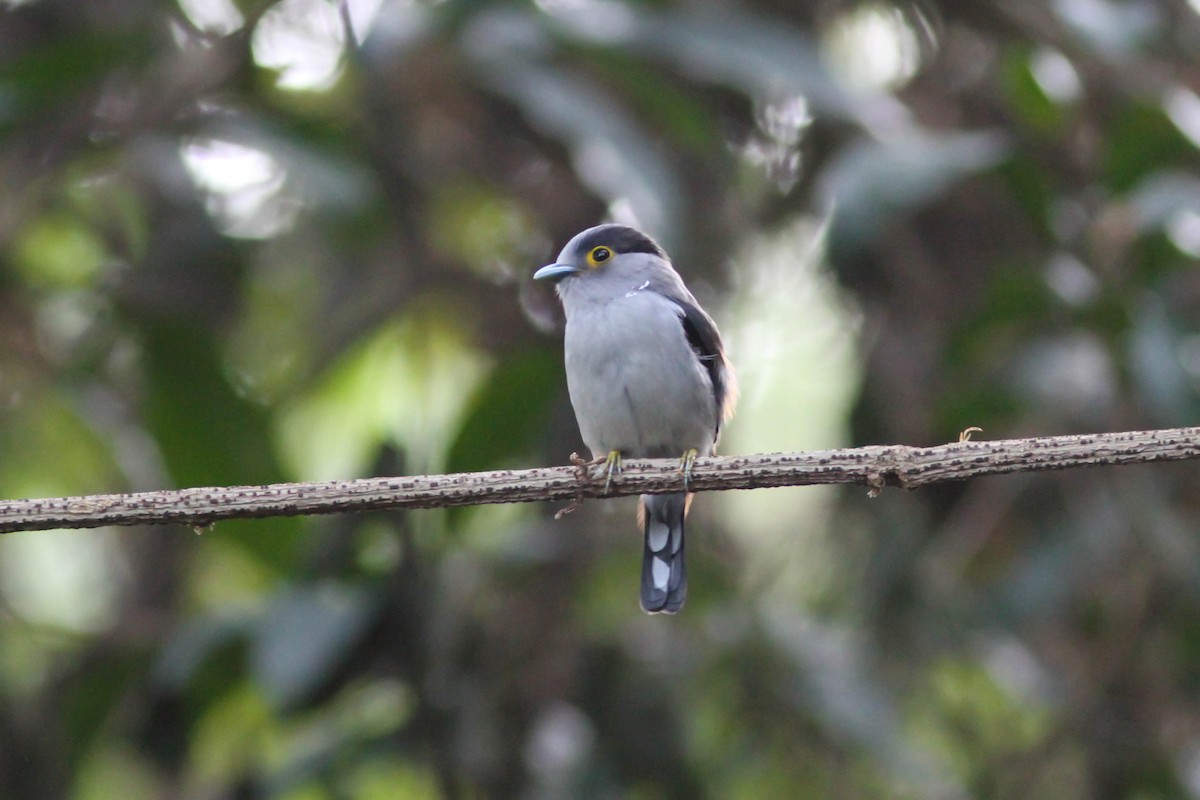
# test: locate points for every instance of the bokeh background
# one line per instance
(238, 246)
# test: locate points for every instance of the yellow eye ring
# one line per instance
(598, 256)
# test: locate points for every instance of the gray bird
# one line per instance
(647, 376)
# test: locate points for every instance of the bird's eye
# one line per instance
(599, 255)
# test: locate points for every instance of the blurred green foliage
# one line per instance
(235, 248)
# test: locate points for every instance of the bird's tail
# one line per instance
(664, 578)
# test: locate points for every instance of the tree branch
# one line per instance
(874, 467)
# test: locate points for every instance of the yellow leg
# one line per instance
(685, 466)
(612, 464)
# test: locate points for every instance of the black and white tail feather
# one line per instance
(664, 573)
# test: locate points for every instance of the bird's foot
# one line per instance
(612, 467)
(685, 466)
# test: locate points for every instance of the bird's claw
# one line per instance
(612, 466)
(685, 466)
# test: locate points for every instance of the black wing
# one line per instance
(705, 339)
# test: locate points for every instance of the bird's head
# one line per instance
(604, 251)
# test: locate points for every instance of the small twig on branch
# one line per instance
(874, 467)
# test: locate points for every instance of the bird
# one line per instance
(647, 376)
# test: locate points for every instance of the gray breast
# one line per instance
(634, 380)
